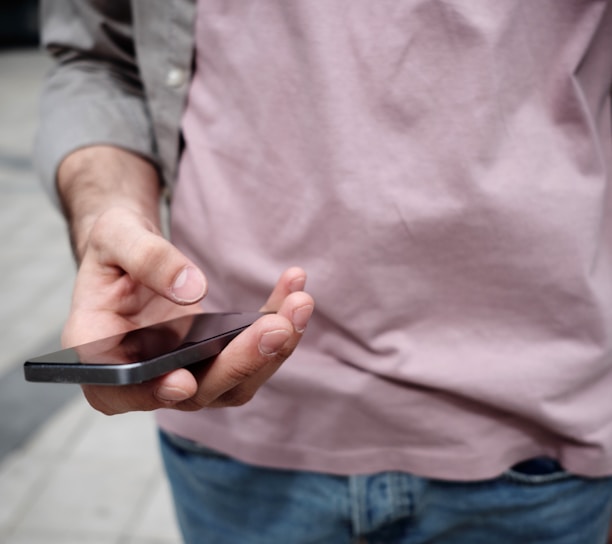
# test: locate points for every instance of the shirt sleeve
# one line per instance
(94, 93)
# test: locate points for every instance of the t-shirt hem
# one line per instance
(451, 467)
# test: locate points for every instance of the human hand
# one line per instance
(130, 276)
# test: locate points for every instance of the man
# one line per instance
(439, 169)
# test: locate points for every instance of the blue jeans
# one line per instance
(223, 501)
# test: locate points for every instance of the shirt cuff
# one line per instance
(121, 122)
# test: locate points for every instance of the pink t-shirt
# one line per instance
(442, 170)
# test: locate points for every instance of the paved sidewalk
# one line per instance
(86, 478)
(68, 475)
(36, 271)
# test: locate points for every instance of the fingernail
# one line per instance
(297, 284)
(301, 316)
(271, 342)
(171, 395)
(189, 286)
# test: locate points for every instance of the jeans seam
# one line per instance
(356, 506)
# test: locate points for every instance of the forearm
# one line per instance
(92, 180)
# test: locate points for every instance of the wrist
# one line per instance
(93, 180)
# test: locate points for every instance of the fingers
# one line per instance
(291, 281)
(251, 358)
(123, 242)
(129, 276)
(230, 380)
(129, 273)
(163, 392)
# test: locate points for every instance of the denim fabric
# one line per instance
(223, 501)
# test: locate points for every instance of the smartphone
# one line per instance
(142, 354)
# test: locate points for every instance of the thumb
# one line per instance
(123, 242)
(188, 286)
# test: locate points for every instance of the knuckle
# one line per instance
(99, 231)
(238, 396)
(118, 230)
(282, 354)
(109, 220)
(146, 250)
(238, 373)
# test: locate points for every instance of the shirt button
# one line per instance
(176, 77)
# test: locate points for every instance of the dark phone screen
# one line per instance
(163, 346)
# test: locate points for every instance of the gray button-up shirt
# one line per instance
(122, 76)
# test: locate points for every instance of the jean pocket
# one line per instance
(537, 471)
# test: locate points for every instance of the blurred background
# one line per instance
(67, 474)
(18, 23)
